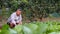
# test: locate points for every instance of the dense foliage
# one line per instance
(31, 8)
(50, 27)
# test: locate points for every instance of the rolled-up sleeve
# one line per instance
(20, 19)
(13, 19)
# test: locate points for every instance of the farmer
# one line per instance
(15, 18)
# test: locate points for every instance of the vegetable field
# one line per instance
(46, 11)
(50, 27)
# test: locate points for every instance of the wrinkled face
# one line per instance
(18, 12)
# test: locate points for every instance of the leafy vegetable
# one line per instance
(50, 27)
(26, 30)
(18, 28)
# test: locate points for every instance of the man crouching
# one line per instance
(15, 18)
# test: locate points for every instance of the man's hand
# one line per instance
(19, 23)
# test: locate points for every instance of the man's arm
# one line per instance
(13, 19)
(20, 20)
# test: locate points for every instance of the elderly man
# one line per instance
(15, 18)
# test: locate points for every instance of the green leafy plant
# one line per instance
(50, 27)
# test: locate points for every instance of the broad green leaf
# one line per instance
(27, 30)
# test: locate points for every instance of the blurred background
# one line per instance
(32, 10)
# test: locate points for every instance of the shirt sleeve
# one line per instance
(12, 18)
(20, 19)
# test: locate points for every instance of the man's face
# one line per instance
(18, 12)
